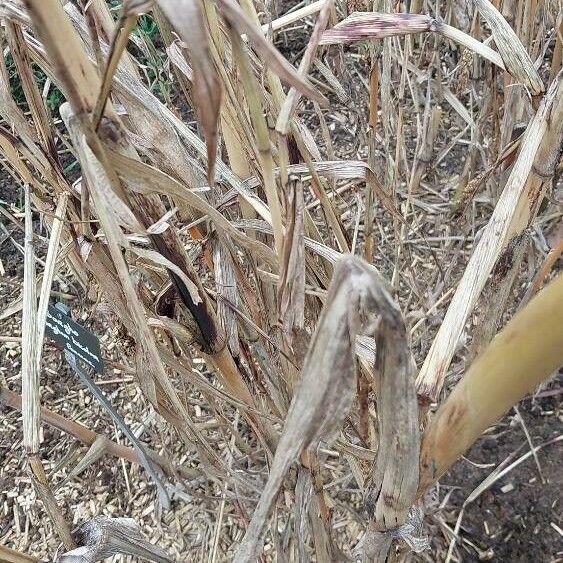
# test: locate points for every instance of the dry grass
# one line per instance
(277, 369)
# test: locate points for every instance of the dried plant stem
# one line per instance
(29, 370)
(513, 213)
(522, 355)
(262, 139)
(292, 98)
(52, 506)
(295, 15)
(41, 119)
(102, 538)
(49, 272)
(8, 555)
(514, 54)
(121, 36)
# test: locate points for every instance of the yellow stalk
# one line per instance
(527, 351)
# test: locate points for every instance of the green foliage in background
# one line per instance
(54, 97)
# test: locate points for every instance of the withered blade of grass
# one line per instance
(187, 18)
(17, 120)
(271, 56)
(18, 167)
(360, 26)
(81, 85)
(50, 503)
(366, 25)
(148, 179)
(251, 89)
(341, 170)
(516, 208)
(177, 58)
(102, 538)
(514, 54)
(328, 382)
(95, 452)
(129, 13)
(291, 285)
(49, 272)
(95, 31)
(328, 253)
(42, 121)
(320, 190)
(29, 368)
(292, 98)
(523, 354)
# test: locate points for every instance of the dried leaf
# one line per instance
(360, 26)
(372, 25)
(341, 170)
(513, 53)
(187, 18)
(292, 98)
(270, 55)
(158, 258)
(29, 370)
(291, 285)
(176, 56)
(326, 389)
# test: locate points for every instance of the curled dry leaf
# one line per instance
(176, 56)
(394, 477)
(158, 258)
(326, 389)
(372, 25)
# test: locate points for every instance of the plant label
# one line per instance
(74, 338)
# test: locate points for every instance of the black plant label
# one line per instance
(74, 338)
